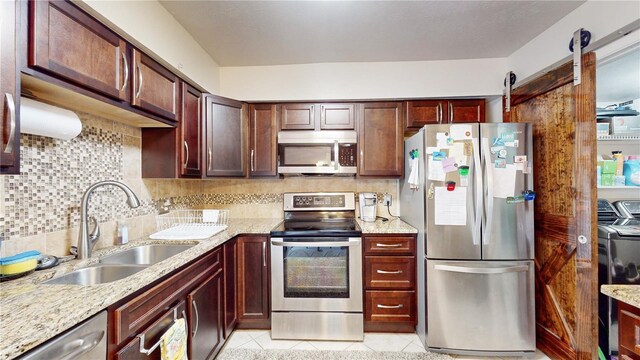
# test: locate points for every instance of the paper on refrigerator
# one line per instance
(504, 181)
(450, 207)
(435, 170)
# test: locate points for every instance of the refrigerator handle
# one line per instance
(478, 180)
(482, 270)
(489, 212)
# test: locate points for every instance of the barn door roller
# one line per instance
(507, 89)
(580, 40)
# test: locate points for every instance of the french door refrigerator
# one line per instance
(471, 199)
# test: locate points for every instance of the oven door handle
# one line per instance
(351, 242)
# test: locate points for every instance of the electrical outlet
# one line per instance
(386, 200)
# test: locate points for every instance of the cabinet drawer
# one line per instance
(131, 317)
(390, 272)
(390, 306)
(151, 336)
(392, 245)
(629, 329)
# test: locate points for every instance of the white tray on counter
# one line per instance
(188, 232)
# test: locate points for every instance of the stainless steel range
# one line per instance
(316, 269)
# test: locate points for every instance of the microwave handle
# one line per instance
(336, 152)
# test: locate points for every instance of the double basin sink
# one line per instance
(120, 265)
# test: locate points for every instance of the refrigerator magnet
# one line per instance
(439, 156)
(430, 192)
(468, 149)
(515, 199)
(520, 158)
(500, 163)
(496, 149)
(502, 154)
(497, 142)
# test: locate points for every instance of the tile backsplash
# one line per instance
(39, 209)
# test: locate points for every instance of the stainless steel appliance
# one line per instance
(316, 269)
(368, 206)
(87, 341)
(472, 207)
(327, 152)
(618, 263)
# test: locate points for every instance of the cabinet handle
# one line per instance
(12, 116)
(389, 272)
(252, 165)
(209, 158)
(264, 254)
(637, 345)
(139, 81)
(388, 245)
(142, 336)
(195, 309)
(126, 72)
(450, 113)
(399, 306)
(439, 114)
(186, 157)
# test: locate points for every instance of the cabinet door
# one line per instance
(424, 112)
(253, 282)
(337, 116)
(262, 140)
(465, 111)
(230, 287)
(298, 117)
(155, 88)
(9, 90)
(190, 121)
(205, 315)
(225, 142)
(66, 42)
(380, 138)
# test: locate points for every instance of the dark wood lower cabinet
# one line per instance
(230, 286)
(628, 332)
(206, 328)
(254, 310)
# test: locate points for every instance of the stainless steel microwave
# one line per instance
(317, 152)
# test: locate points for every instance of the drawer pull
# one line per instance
(637, 345)
(388, 245)
(389, 272)
(399, 306)
(195, 309)
(155, 346)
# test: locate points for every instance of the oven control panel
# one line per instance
(319, 201)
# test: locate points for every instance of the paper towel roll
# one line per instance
(46, 120)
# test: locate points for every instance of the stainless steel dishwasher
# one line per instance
(87, 341)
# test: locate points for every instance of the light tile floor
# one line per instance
(261, 339)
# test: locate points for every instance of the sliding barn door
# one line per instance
(564, 141)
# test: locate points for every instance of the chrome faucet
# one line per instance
(87, 240)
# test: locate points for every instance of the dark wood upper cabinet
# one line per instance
(225, 137)
(205, 313)
(65, 41)
(424, 112)
(253, 282)
(337, 116)
(9, 90)
(190, 131)
(380, 139)
(154, 88)
(466, 111)
(297, 116)
(263, 128)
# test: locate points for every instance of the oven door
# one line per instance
(316, 274)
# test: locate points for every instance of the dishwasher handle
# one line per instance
(82, 346)
(482, 270)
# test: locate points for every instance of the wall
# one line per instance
(154, 29)
(451, 78)
(601, 18)
(39, 209)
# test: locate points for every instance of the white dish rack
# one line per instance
(190, 224)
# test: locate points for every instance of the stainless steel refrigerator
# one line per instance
(471, 199)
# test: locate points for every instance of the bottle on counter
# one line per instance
(122, 236)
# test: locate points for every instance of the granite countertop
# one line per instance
(629, 294)
(393, 226)
(31, 313)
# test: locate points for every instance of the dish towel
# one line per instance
(174, 342)
(414, 179)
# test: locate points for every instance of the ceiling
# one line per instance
(618, 79)
(245, 33)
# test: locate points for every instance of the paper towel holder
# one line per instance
(43, 119)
